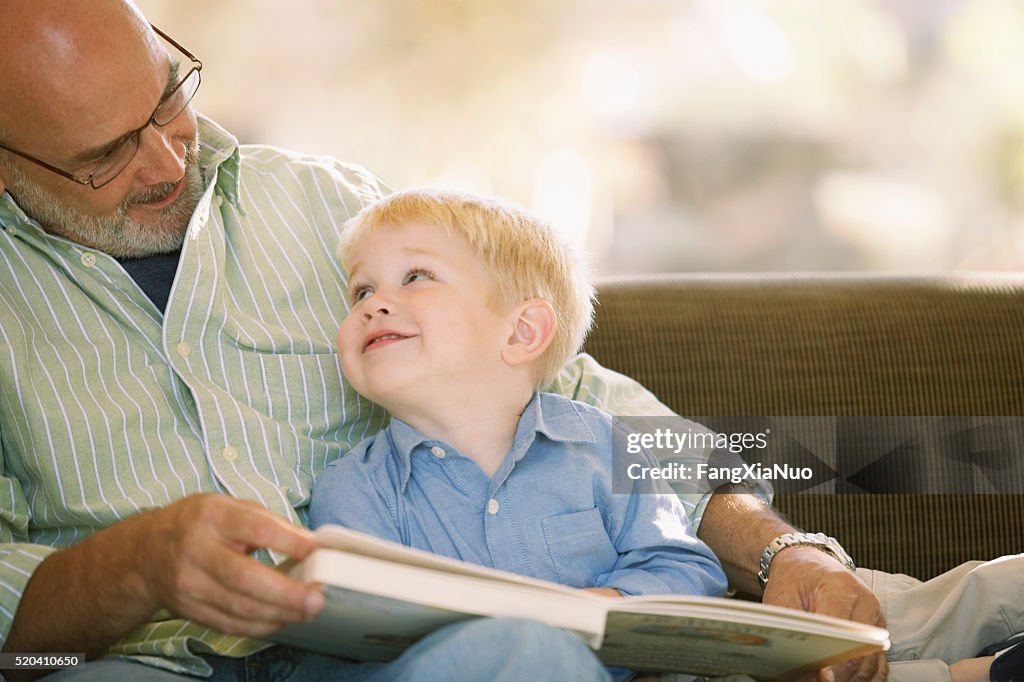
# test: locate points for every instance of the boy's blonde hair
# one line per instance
(523, 254)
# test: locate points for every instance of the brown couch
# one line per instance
(839, 344)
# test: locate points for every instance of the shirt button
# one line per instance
(218, 200)
(169, 649)
(12, 230)
(229, 453)
(184, 350)
(492, 506)
(88, 259)
(437, 451)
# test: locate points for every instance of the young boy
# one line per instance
(462, 308)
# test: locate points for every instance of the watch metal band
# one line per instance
(827, 544)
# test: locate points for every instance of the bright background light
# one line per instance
(662, 135)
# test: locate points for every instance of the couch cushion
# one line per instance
(840, 345)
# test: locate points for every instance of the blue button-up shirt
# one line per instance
(548, 512)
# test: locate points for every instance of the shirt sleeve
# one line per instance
(586, 380)
(18, 557)
(658, 551)
(347, 494)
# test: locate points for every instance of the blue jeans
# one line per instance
(504, 650)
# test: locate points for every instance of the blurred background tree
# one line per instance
(664, 135)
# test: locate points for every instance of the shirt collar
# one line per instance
(553, 416)
(11, 215)
(218, 153)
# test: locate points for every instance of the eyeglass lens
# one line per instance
(166, 111)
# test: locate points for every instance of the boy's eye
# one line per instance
(417, 275)
(361, 293)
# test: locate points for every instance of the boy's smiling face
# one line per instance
(423, 319)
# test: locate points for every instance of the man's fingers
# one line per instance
(198, 565)
(245, 582)
(244, 594)
(213, 617)
(255, 527)
(846, 596)
(808, 579)
(872, 668)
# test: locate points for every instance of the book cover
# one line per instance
(382, 597)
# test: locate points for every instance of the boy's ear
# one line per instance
(533, 327)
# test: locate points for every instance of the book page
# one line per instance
(697, 635)
(346, 574)
(742, 611)
(713, 647)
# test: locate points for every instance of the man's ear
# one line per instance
(533, 328)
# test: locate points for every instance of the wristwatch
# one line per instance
(826, 544)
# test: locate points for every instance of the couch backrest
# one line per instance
(841, 345)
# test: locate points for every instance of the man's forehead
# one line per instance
(73, 75)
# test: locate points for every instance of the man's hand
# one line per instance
(194, 561)
(737, 526)
(808, 579)
(603, 591)
(190, 557)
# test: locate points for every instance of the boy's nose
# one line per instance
(376, 310)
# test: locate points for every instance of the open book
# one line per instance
(382, 597)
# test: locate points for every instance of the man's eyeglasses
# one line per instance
(118, 158)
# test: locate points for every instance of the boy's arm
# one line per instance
(658, 552)
(739, 526)
(346, 494)
(659, 555)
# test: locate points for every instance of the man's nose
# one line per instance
(161, 155)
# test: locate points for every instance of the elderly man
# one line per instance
(169, 388)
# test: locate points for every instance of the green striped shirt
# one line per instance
(109, 407)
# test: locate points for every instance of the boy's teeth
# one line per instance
(386, 337)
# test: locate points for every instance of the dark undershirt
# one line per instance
(154, 275)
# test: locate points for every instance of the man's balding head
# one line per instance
(79, 80)
(59, 59)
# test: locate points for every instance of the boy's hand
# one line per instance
(603, 591)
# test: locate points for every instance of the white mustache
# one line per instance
(158, 192)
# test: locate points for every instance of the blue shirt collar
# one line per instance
(553, 416)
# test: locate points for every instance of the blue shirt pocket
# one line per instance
(579, 547)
